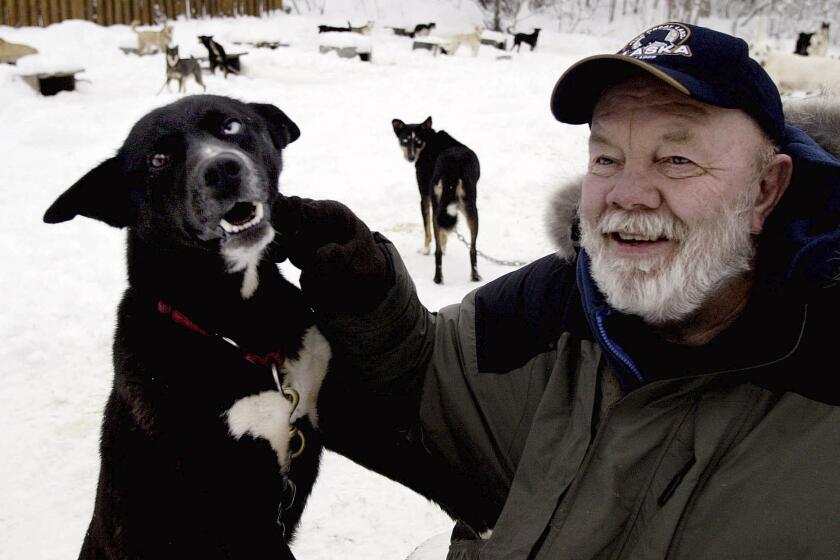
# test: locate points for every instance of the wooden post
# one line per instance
(22, 12)
(7, 15)
(148, 12)
(108, 17)
(33, 12)
(11, 12)
(55, 11)
(64, 5)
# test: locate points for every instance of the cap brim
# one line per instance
(578, 89)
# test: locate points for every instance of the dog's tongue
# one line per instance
(241, 213)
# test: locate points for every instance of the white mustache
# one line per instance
(644, 224)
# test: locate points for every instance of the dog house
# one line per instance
(50, 83)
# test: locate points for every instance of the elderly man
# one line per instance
(667, 391)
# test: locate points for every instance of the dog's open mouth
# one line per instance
(243, 215)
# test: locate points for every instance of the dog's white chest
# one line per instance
(269, 415)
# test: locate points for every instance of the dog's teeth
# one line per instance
(259, 213)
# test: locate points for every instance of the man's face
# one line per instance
(669, 200)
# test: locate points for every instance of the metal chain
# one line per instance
(488, 257)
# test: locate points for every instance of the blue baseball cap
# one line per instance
(704, 64)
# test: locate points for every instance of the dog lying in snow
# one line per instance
(11, 52)
(208, 446)
(364, 29)
(792, 72)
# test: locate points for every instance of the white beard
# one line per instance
(669, 288)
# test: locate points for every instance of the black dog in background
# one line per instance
(208, 447)
(528, 38)
(447, 176)
(422, 29)
(217, 56)
(815, 43)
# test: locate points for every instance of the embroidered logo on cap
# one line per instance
(665, 39)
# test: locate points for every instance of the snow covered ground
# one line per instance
(60, 284)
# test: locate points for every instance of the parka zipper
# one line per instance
(614, 348)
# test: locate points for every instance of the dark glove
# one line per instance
(343, 268)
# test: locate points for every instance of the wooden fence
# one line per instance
(18, 13)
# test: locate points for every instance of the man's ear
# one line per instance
(398, 125)
(427, 123)
(102, 194)
(773, 185)
(282, 129)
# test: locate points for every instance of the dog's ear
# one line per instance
(282, 129)
(101, 194)
(427, 123)
(398, 125)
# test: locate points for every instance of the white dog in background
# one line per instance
(792, 72)
(364, 30)
(473, 40)
(820, 41)
(149, 40)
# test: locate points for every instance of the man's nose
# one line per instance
(634, 189)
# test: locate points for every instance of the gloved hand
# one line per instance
(343, 268)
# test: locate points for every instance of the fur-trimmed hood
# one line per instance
(800, 244)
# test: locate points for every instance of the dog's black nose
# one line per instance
(223, 173)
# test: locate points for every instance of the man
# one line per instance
(665, 393)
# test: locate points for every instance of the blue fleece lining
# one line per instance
(800, 244)
(597, 310)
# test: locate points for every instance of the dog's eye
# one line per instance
(233, 126)
(158, 160)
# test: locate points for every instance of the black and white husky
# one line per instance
(180, 69)
(217, 56)
(208, 446)
(447, 177)
(815, 43)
